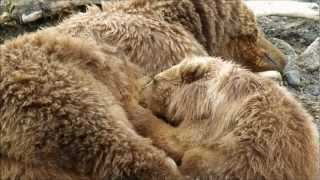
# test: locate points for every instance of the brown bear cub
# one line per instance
(63, 116)
(224, 28)
(229, 123)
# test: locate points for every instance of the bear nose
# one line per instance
(276, 62)
(268, 58)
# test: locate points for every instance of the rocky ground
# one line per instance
(11, 30)
(13, 13)
(295, 36)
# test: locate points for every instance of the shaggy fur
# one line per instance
(152, 44)
(225, 28)
(62, 113)
(231, 123)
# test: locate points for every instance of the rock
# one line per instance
(315, 90)
(293, 78)
(291, 8)
(310, 59)
(24, 8)
(311, 65)
(4, 17)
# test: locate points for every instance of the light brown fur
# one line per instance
(152, 44)
(63, 116)
(225, 28)
(230, 123)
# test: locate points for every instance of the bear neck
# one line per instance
(212, 23)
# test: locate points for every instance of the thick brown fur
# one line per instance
(226, 28)
(63, 116)
(152, 44)
(230, 123)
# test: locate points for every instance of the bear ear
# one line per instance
(194, 70)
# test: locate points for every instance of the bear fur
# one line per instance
(63, 116)
(152, 44)
(229, 123)
(226, 29)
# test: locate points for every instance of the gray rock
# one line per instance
(311, 65)
(315, 90)
(20, 8)
(293, 78)
(310, 59)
